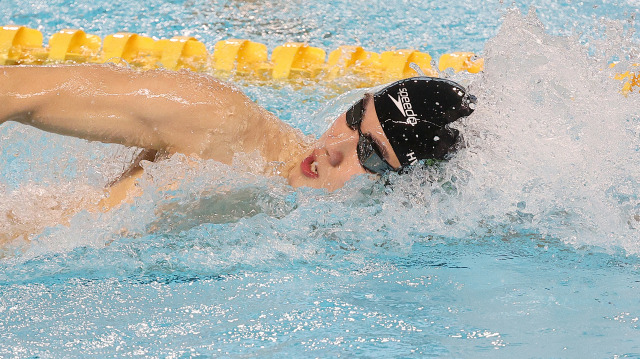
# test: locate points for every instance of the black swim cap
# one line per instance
(415, 113)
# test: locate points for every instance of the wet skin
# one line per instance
(333, 160)
(168, 112)
(184, 112)
(329, 163)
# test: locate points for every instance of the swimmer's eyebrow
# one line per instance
(368, 98)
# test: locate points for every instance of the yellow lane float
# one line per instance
(136, 50)
(182, 52)
(631, 79)
(395, 65)
(353, 59)
(74, 45)
(242, 57)
(238, 57)
(19, 44)
(461, 61)
(233, 57)
(295, 60)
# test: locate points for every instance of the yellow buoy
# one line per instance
(74, 45)
(239, 56)
(352, 59)
(296, 60)
(395, 65)
(461, 61)
(132, 48)
(20, 45)
(182, 52)
(632, 79)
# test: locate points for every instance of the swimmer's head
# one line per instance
(415, 113)
(389, 130)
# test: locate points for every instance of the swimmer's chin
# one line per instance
(297, 179)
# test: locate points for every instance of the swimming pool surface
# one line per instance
(526, 244)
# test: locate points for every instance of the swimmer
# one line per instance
(167, 112)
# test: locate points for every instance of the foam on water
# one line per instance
(552, 148)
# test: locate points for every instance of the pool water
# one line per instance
(525, 244)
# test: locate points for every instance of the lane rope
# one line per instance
(239, 58)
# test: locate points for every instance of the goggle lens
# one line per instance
(369, 154)
(370, 157)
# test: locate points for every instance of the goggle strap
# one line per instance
(354, 115)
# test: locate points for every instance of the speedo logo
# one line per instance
(411, 157)
(403, 103)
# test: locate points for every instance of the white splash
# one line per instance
(552, 147)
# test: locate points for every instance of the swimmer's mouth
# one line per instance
(309, 167)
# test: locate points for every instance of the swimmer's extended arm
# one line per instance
(162, 110)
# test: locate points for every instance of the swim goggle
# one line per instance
(369, 154)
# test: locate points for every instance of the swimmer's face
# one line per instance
(334, 158)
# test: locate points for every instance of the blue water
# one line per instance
(526, 244)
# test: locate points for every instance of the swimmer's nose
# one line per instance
(340, 146)
(335, 158)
